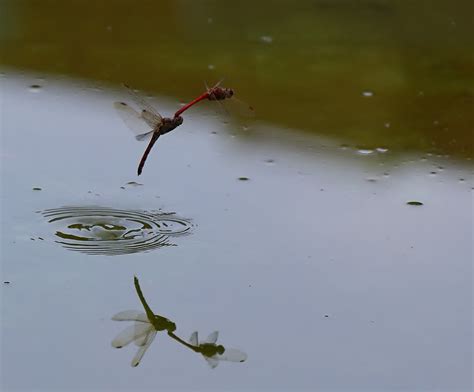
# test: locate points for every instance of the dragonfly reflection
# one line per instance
(147, 324)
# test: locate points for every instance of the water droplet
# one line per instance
(211, 66)
(267, 39)
(368, 93)
(365, 151)
(414, 203)
(35, 88)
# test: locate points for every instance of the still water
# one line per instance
(328, 239)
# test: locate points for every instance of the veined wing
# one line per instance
(212, 338)
(138, 123)
(141, 351)
(130, 315)
(194, 339)
(142, 103)
(131, 333)
(212, 361)
(232, 355)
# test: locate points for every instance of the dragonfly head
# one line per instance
(229, 92)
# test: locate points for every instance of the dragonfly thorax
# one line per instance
(220, 93)
(168, 124)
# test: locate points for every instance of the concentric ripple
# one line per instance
(109, 231)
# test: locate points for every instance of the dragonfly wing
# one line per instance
(144, 136)
(130, 315)
(131, 333)
(212, 338)
(232, 355)
(141, 351)
(194, 338)
(134, 120)
(142, 103)
(212, 361)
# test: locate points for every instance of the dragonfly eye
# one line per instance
(220, 349)
(230, 92)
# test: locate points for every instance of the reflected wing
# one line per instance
(130, 315)
(142, 103)
(232, 355)
(239, 108)
(212, 338)
(131, 333)
(194, 339)
(212, 361)
(141, 351)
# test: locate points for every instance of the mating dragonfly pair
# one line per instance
(148, 117)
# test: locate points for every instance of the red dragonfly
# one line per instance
(141, 122)
(216, 93)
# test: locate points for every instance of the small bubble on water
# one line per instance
(367, 93)
(267, 39)
(35, 88)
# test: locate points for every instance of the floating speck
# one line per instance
(371, 179)
(133, 183)
(382, 149)
(433, 173)
(210, 20)
(387, 125)
(267, 39)
(35, 88)
(326, 315)
(367, 93)
(122, 187)
(37, 189)
(243, 179)
(344, 146)
(211, 66)
(365, 151)
(109, 28)
(270, 162)
(6, 282)
(414, 203)
(462, 180)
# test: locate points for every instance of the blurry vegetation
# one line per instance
(302, 64)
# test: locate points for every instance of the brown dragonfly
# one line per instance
(141, 122)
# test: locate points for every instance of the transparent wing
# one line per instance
(131, 333)
(194, 339)
(134, 120)
(212, 338)
(142, 103)
(238, 107)
(212, 361)
(130, 315)
(232, 355)
(141, 351)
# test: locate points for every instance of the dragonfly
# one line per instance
(217, 93)
(141, 122)
(145, 327)
(214, 353)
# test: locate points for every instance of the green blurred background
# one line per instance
(302, 64)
